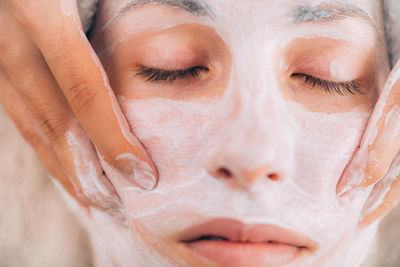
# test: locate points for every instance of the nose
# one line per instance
(251, 150)
(253, 141)
(252, 147)
(244, 177)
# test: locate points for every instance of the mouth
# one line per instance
(231, 243)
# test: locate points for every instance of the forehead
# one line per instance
(267, 9)
(240, 18)
(237, 18)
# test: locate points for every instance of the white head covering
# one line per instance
(391, 10)
(87, 10)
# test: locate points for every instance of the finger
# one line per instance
(391, 199)
(85, 165)
(30, 75)
(70, 142)
(381, 141)
(15, 107)
(86, 87)
(384, 196)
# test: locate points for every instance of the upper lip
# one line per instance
(236, 231)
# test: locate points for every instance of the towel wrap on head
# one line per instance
(391, 10)
(391, 15)
(87, 10)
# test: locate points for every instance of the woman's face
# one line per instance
(251, 111)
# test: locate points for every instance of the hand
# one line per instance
(54, 88)
(375, 166)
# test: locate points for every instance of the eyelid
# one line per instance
(341, 88)
(170, 76)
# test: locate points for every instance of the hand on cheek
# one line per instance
(59, 84)
(373, 165)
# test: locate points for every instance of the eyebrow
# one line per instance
(192, 6)
(324, 12)
(330, 11)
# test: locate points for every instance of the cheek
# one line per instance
(174, 132)
(324, 146)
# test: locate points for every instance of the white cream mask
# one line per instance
(194, 193)
(250, 127)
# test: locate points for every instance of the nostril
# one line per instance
(273, 176)
(224, 173)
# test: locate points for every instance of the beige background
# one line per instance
(36, 229)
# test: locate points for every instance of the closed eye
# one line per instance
(341, 88)
(169, 76)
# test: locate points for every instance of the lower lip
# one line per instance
(235, 254)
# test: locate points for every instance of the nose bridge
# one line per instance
(255, 137)
(256, 142)
(261, 123)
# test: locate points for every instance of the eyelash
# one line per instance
(170, 76)
(351, 87)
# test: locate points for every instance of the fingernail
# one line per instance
(352, 180)
(144, 179)
(342, 190)
(137, 171)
